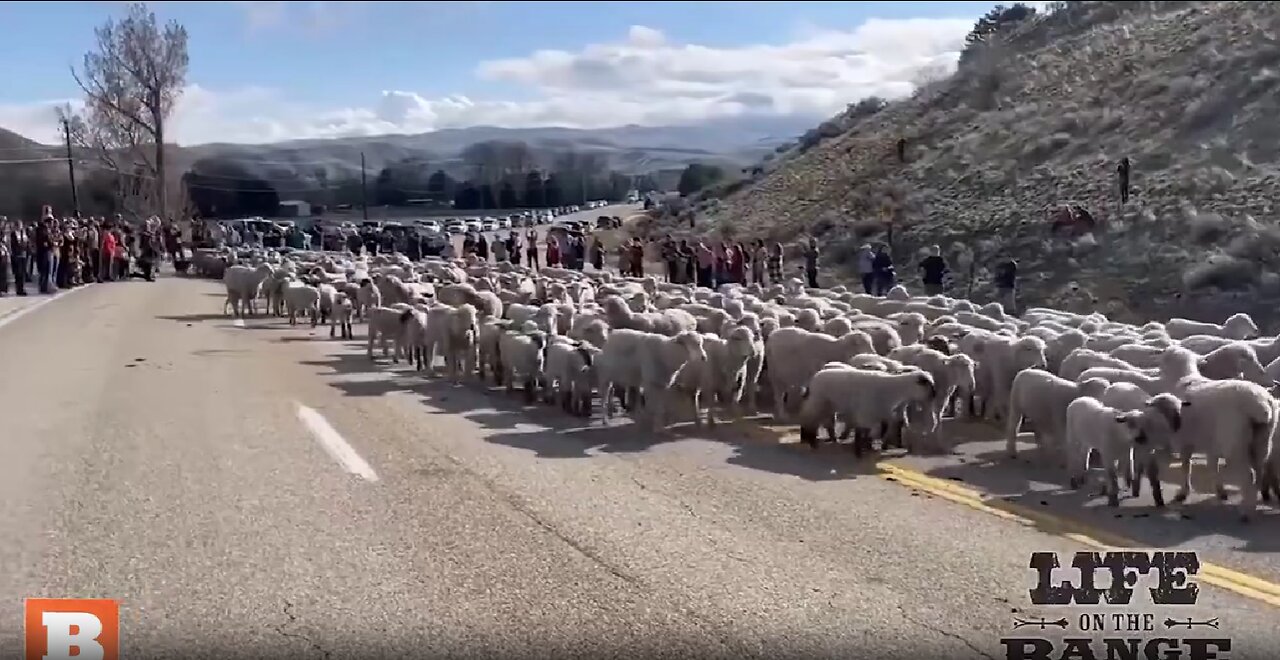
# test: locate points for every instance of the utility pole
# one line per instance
(71, 167)
(364, 188)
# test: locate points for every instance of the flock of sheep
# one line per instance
(884, 368)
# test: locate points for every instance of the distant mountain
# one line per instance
(733, 142)
(627, 149)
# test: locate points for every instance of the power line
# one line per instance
(28, 161)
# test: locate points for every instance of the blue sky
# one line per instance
(267, 70)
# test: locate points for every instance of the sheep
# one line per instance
(670, 366)
(1094, 426)
(619, 366)
(910, 326)
(488, 351)
(523, 355)
(343, 310)
(1000, 361)
(1234, 361)
(385, 324)
(794, 355)
(368, 297)
(1042, 398)
(863, 399)
(454, 330)
(243, 285)
(666, 322)
(1231, 419)
(1237, 326)
(728, 360)
(299, 297)
(570, 370)
(884, 337)
(838, 326)
(1084, 358)
(953, 375)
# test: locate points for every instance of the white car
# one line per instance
(504, 223)
(456, 227)
(473, 224)
(429, 225)
(488, 224)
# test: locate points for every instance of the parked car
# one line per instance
(473, 224)
(429, 225)
(488, 224)
(456, 227)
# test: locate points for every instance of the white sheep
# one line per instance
(243, 285)
(1084, 358)
(727, 370)
(1237, 326)
(523, 356)
(670, 367)
(343, 311)
(1042, 398)
(793, 355)
(1092, 426)
(1000, 359)
(864, 399)
(384, 325)
(953, 375)
(368, 297)
(1231, 419)
(570, 373)
(299, 297)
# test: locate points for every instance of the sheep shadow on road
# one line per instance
(548, 432)
(1027, 482)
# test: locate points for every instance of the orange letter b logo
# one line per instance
(65, 628)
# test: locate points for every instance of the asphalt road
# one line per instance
(254, 490)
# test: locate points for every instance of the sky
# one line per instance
(270, 71)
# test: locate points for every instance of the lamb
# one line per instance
(1234, 361)
(368, 297)
(1231, 419)
(1093, 426)
(489, 356)
(1042, 398)
(244, 285)
(884, 337)
(953, 375)
(793, 355)
(863, 399)
(343, 310)
(1237, 326)
(523, 355)
(618, 366)
(385, 324)
(837, 327)
(727, 370)
(299, 297)
(570, 370)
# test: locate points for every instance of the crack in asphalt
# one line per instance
(280, 628)
(945, 633)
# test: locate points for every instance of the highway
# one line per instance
(246, 489)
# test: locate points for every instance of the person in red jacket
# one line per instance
(108, 259)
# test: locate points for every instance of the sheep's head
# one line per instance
(939, 344)
(1092, 387)
(1028, 353)
(1152, 426)
(1178, 360)
(856, 342)
(922, 386)
(692, 343)
(898, 292)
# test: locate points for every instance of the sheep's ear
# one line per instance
(1186, 404)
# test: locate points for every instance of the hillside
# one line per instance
(1040, 117)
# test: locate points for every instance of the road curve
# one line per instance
(265, 491)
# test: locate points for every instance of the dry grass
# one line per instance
(1190, 92)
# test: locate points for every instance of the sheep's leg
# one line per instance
(779, 403)
(1153, 475)
(1244, 473)
(1112, 487)
(530, 390)
(606, 402)
(1126, 471)
(369, 347)
(584, 404)
(1011, 432)
(510, 377)
(1184, 476)
(1212, 460)
(861, 437)
(694, 398)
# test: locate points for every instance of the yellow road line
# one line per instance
(1234, 581)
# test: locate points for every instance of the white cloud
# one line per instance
(644, 78)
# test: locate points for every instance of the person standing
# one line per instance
(531, 248)
(775, 264)
(1006, 281)
(706, 266)
(44, 253)
(1122, 172)
(19, 251)
(637, 257)
(933, 269)
(866, 272)
(882, 269)
(757, 257)
(811, 262)
(553, 251)
(5, 266)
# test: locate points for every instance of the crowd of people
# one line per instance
(62, 253)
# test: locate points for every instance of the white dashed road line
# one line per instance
(332, 441)
(23, 311)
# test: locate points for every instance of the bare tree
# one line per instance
(132, 81)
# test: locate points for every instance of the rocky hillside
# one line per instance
(1040, 116)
